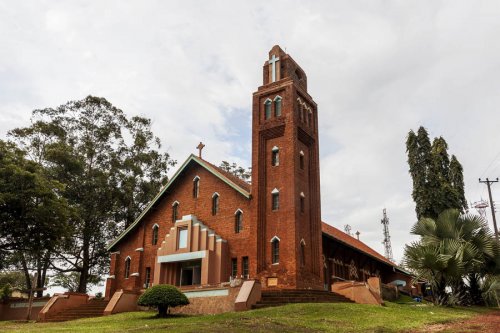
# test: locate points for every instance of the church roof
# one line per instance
(238, 181)
(354, 243)
(237, 184)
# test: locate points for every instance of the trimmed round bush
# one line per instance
(162, 297)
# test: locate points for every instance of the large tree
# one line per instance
(437, 181)
(33, 214)
(110, 166)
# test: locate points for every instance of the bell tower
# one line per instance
(285, 177)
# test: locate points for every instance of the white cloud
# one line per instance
(376, 69)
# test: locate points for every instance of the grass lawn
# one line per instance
(322, 317)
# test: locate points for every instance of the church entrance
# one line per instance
(190, 273)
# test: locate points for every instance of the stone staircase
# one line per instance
(93, 308)
(282, 297)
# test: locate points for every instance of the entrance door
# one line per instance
(190, 273)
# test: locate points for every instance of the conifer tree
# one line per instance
(437, 181)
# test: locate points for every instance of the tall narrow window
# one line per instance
(154, 239)
(215, 204)
(309, 118)
(183, 238)
(175, 211)
(234, 267)
(127, 267)
(302, 253)
(275, 156)
(275, 250)
(301, 159)
(147, 281)
(302, 202)
(196, 187)
(244, 267)
(275, 194)
(267, 109)
(238, 221)
(277, 106)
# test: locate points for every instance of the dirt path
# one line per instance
(486, 323)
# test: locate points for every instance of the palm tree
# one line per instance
(452, 249)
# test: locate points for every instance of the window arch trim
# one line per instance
(275, 238)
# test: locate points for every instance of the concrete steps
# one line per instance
(94, 308)
(282, 297)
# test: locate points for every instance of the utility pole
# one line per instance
(488, 183)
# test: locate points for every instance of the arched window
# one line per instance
(275, 156)
(175, 211)
(196, 187)
(127, 267)
(301, 159)
(302, 202)
(275, 195)
(275, 250)
(277, 106)
(215, 203)
(154, 239)
(302, 252)
(267, 109)
(238, 221)
(309, 118)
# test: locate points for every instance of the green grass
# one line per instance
(323, 317)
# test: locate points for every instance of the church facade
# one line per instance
(207, 227)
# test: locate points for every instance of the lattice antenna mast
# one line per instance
(387, 237)
(347, 229)
(481, 206)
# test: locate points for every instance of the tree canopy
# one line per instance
(33, 213)
(438, 182)
(109, 166)
(452, 249)
(235, 169)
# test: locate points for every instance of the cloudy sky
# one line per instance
(376, 69)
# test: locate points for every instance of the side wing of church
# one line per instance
(207, 227)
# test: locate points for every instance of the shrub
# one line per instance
(5, 292)
(162, 297)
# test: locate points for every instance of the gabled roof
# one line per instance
(354, 243)
(237, 184)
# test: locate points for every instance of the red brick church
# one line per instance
(207, 227)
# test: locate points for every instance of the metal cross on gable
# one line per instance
(200, 148)
(273, 62)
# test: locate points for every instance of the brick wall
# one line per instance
(182, 192)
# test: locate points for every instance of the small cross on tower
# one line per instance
(200, 148)
(273, 62)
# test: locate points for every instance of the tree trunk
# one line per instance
(26, 272)
(45, 266)
(162, 311)
(84, 273)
